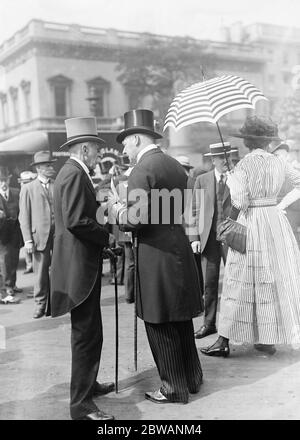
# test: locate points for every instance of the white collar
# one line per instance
(145, 150)
(83, 165)
(43, 180)
(218, 175)
(5, 193)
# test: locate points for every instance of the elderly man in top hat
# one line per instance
(168, 288)
(10, 236)
(216, 204)
(37, 225)
(77, 265)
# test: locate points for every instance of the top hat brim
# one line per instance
(221, 153)
(252, 136)
(78, 139)
(135, 130)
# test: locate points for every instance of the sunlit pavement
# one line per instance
(35, 370)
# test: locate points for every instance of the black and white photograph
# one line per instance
(150, 214)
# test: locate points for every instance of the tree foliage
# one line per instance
(160, 68)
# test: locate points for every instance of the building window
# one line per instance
(26, 87)
(4, 108)
(98, 89)
(61, 89)
(15, 103)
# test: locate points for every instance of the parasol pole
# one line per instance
(218, 127)
(221, 137)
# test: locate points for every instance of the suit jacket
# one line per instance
(169, 288)
(204, 207)
(78, 241)
(9, 226)
(35, 213)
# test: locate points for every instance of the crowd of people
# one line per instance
(177, 262)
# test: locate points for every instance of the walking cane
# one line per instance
(113, 258)
(135, 253)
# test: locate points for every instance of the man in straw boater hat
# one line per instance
(37, 225)
(209, 211)
(10, 237)
(77, 265)
(168, 286)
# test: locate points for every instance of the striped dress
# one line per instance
(260, 301)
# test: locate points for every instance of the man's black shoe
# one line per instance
(98, 416)
(216, 351)
(158, 397)
(204, 331)
(103, 388)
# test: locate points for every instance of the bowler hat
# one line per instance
(138, 121)
(258, 128)
(281, 146)
(184, 161)
(26, 176)
(42, 157)
(81, 130)
(220, 149)
(4, 173)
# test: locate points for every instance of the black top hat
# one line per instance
(138, 121)
(258, 128)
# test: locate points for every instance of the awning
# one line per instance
(25, 143)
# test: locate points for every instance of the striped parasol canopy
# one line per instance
(209, 100)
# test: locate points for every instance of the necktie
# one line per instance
(221, 185)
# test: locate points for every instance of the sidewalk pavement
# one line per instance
(35, 371)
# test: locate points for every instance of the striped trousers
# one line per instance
(175, 354)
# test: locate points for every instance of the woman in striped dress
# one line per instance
(260, 302)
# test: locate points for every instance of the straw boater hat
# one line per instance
(26, 176)
(184, 161)
(81, 130)
(258, 128)
(42, 157)
(220, 149)
(138, 121)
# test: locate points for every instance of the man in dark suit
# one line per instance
(168, 287)
(37, 225)
(210, 208)
(77, 265)
(10, 236)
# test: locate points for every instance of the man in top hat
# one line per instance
(168, 286)
(37, 225)
(216, 203)
(10, 237)
(77, 265)
(26, 177)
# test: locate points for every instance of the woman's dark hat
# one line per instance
(258, 128)
(138, 121)
(42, 157)
(219, 149)
(81, 130)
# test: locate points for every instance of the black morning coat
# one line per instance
(79, 239)
(169, 288)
